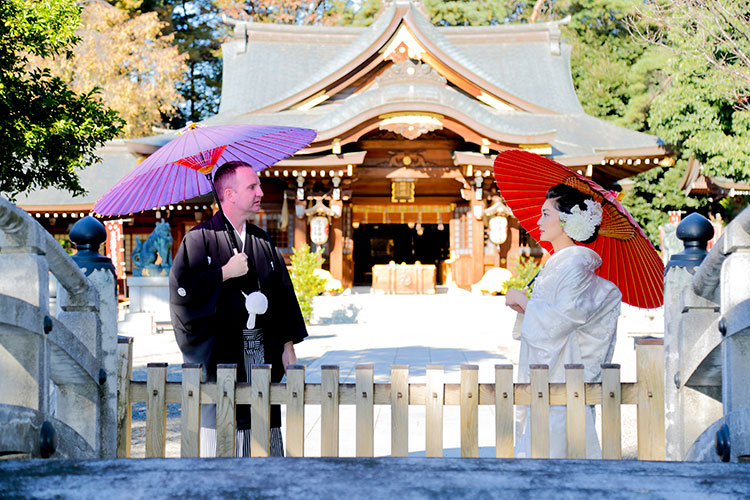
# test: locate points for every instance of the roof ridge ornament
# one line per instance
(417, 4)
(407, 71)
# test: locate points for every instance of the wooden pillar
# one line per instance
(300, 226)
(336, 254)
(477, 242)
(514, 236)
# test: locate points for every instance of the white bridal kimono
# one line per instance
(571, 318)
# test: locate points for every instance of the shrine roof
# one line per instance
(265, 64)
(117, 161)
(570, 135)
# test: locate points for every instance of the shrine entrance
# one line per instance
(383, 243)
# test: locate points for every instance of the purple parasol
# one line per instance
(179, 170)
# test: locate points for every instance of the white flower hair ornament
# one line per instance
(579, 224)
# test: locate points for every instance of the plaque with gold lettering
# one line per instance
(402, 191)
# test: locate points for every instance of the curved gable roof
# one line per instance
(283, 65)
(273, 68)
(527, 61)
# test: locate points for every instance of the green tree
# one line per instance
(306, 284)
(702, 108)
(472, 12)
(197, 31)
(47, 131)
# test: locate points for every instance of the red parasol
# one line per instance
(629, 259)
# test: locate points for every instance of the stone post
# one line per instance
(88, 234)
(689, 408)
(735, 322)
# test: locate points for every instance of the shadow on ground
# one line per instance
(342, 316)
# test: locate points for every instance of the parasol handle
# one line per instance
(227, 225)
(532, 280)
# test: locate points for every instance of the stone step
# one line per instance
(402, 478)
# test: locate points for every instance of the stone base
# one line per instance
(150, 294)
(136, 324)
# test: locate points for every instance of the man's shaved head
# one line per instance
(225, 174)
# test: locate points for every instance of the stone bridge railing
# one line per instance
(57, 368)
(707, 344)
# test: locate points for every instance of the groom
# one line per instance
(207, 286)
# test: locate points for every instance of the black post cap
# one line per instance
(88, 234)
(695, 231)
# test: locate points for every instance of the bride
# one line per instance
(571, 317)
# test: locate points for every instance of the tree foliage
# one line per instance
(130, 60)
(47, 131)
(701, 108)
(472, 12)
(704, 111)
(197, 31)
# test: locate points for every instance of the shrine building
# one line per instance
(409, 119)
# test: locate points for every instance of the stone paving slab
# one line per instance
(451, 328)
(393, 478)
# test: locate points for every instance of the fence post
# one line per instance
(364, 401)
(329, 411)
(156, 410)
(650, 376)
(539, 411)
(469, 411)
(260, 410)
(295, 411)
(226, 378)
(124, 408)
(399, 410)
(575, 411)
(191, 410)
(504, 411)
(611, 411)
(434, 394)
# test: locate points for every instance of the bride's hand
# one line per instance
(516, 300)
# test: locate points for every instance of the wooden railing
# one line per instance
(647, 393)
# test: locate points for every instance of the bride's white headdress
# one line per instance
(579, 224)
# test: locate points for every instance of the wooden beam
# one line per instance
(404, 144)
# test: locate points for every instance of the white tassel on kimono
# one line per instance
(255, 303)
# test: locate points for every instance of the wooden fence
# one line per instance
(647, 393)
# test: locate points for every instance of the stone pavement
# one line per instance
(451, 328)
(369, 478)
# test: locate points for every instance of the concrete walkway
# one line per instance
(451, 328)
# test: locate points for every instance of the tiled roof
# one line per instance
(116, 162)
(277, 62)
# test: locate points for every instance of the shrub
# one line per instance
(306, 284)
(525, 272)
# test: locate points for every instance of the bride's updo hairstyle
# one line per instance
(566, 197)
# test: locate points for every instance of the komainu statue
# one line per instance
(157, 248)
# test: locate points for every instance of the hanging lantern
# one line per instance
(498, 230)
(319, 230)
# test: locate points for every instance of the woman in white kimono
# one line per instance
(571, 317)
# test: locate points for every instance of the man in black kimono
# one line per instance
(207, 302)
